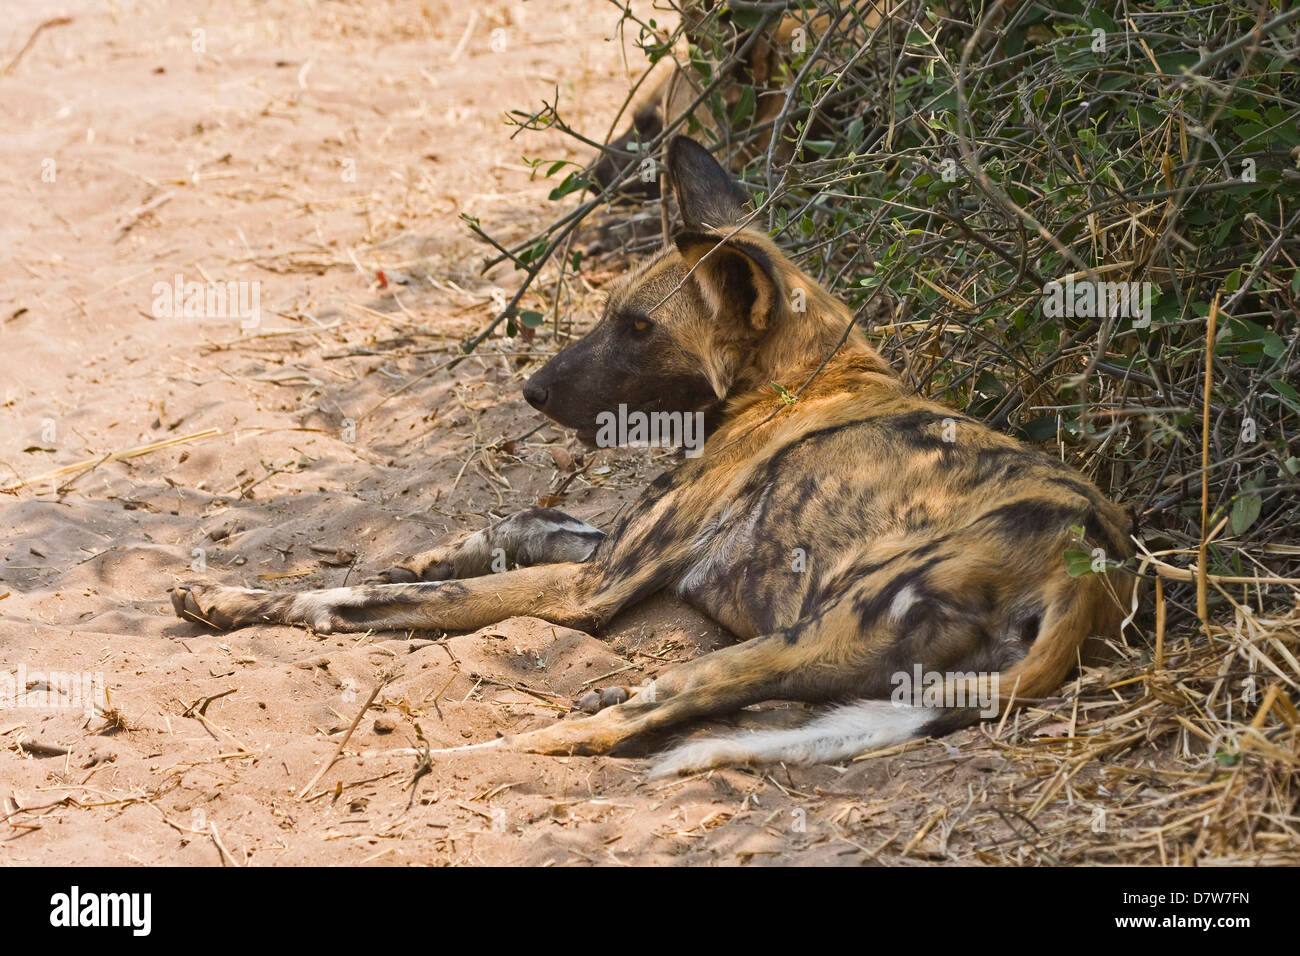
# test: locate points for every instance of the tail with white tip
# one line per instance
(839, 734)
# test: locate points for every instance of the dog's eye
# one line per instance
(641, 323)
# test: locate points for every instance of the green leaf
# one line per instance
(1078, 563)
(1097, 18)
(1286, 393)
(538, 249)
(1244, 512)
(989, 384)
(1039, 429)
(572, 183)
(746, 19)
(744, 109)
(784, 392)
(1171, 64)
(531, 320)
(1242, 332)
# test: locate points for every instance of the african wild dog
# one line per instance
(764, 73)
(929, 539)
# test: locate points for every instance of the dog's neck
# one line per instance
(799, 343)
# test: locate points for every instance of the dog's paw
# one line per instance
(191, 602)
(223, 608)
(597, 700)
(394, 575)
(429, 566)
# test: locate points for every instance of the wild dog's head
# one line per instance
(695, 323)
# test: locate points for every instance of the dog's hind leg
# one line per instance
(823, 658)
(534, 536)
(717, 683)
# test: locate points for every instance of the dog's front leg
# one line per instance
(534, 536)
(573, 595)
(647, 552)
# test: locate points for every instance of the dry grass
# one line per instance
(1188, 756)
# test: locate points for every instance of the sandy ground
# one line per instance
(309, 147)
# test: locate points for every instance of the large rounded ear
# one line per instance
(739, 280)
(706, 194)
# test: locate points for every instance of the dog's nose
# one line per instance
(535, 395)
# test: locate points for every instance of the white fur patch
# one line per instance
(571, 523)
(723, 542)
(317, 608)
(902, 602)
(838, 735)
